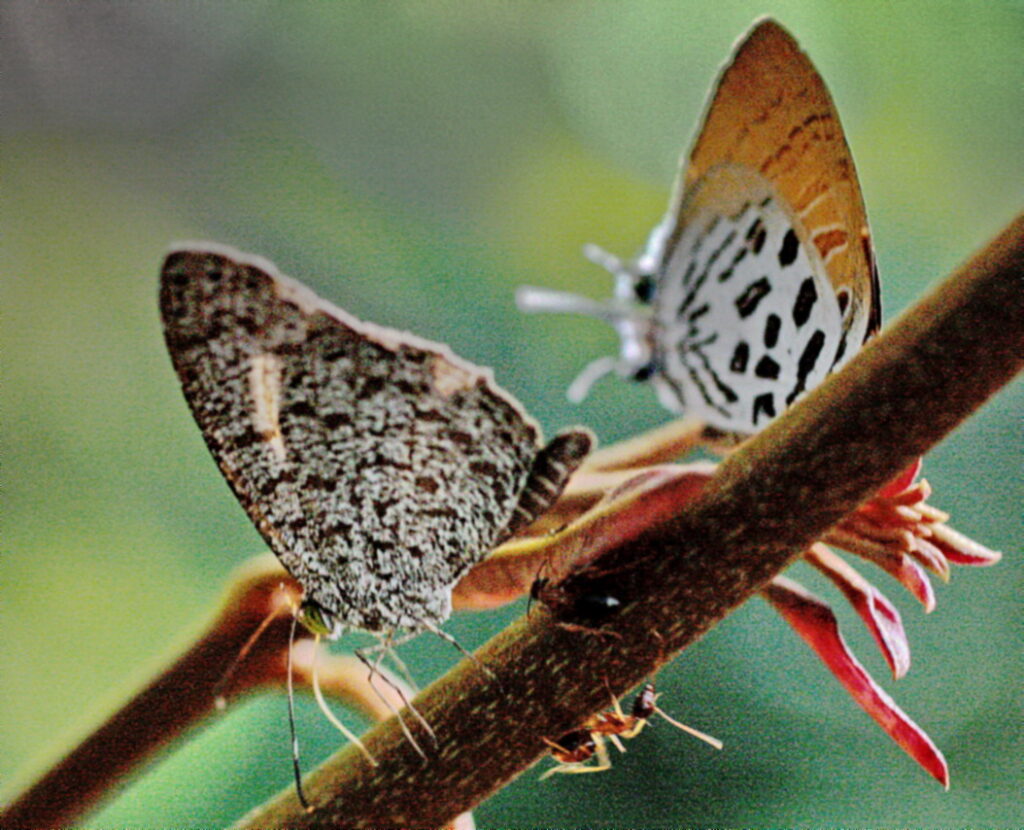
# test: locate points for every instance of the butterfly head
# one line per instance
(628, 311)
(318, 620)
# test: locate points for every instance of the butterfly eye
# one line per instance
(644, 372)
(316, 619)
(645, 288)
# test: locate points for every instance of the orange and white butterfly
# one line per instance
(761, 278)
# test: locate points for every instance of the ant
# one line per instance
(574, 749)
(593, 607)
(589, 610)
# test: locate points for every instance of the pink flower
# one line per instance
(898, 531)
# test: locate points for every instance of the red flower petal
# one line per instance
(902, 481)
(959, 549)
(878, 614)
(931, 557)
(645, 498)
(814, 621)
(898, 565)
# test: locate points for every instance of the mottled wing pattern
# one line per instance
(766, 279)
(379, 467)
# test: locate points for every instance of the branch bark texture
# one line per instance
(769, 501)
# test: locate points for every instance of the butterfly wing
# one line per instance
(378, 466)
(771, 112)
(766, 276)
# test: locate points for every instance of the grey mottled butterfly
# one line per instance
(379, 467)
(760, 280)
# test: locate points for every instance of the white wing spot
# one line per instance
(744, 311)
(449, 378)
(265, 389)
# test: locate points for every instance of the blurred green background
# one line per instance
(414, 163)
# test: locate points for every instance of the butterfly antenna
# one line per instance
(621, 271)
(322, 703)
(219, 701)
(591, 374)
(291, 722)
(689, 730)
(532, 299)
(631, 321)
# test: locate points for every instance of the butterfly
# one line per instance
(378, 466)
(761, 279)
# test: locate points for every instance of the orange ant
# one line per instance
(574, 749)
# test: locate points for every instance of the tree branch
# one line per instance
(768, 502)
(171, 704)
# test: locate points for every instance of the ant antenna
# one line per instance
(322, 703)
(708, 739)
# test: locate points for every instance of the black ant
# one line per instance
(591, 609)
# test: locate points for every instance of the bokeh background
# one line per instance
(415, 162)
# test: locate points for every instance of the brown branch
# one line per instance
(768, 502)
(174, 702)
(186, 694)
(183, 695)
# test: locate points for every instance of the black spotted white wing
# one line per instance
(378, 466)
(745, 318)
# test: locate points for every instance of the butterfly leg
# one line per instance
(448, 638)
(326, 710)
(403, 669)
(375, 672)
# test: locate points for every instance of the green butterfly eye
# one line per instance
(316, 619)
